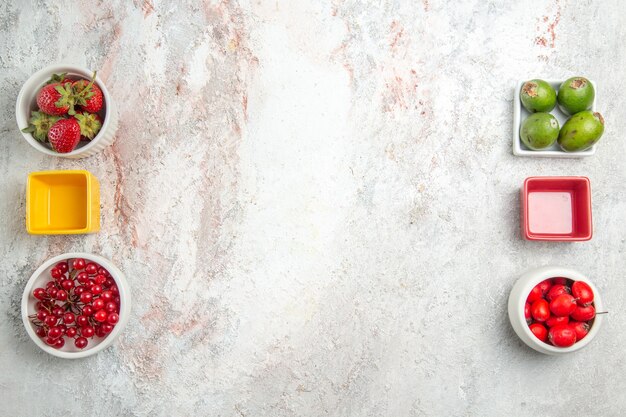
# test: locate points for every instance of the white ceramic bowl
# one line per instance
(26, 102)
(555, 151)
(517, 300)
(96, 344)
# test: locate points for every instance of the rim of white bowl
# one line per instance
(553, 272)
(35, 82)
(125, 298)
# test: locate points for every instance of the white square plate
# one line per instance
(520, 113)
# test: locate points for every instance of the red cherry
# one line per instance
(585, 313)
(82, 321)
(540, 310)
(103, 271)
(527, 314)
(106, 295)
(82, 277)
(41, 315)
(69, 318)
(54, 332)
(582, 292)
(51, 341)
(554, 320)
(39, 293)
(559, 281)
(56, 273)
(79, 290)
(67, 284)
(63, 267)
(100, 279)
(91, 268)
(113, 318)
(58, 311)
(100, 331)
(538, 291)
(580, 328)
(81, 342)
(563, 305)
(79, 263)
(111, 307)
(87, 331)
(562, 336)
(96, 289)
(101, 316)
(61, 295)
(51, 320)
(557, 290)
(71, 331)
(98, 304)
(86, 297)
(41, 332)
(88, 310)
(107, 328)
(60, 343)
(539, 331)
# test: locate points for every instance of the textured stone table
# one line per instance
(317, 206)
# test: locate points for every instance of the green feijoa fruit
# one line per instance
(538, 96)
(575, 95)
(539, 131)
(581, 131)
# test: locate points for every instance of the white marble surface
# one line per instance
(317, 207)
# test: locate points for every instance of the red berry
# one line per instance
(584, 313)
(527, 314)
(86, 297)
(563, 305)
(41, 315)
(80, 342)
(41, 332)
(82, 277)
(52, 292)
(63, 267)
(88, 310)
(98, 304)
(96, 289)
(104, 272)
(79, 263)
(39, 293)
(562, 336)
(58, 311)
(113, 318)
(69, 318)
(582, 292)
(82, 321)
(54, 332)
(100, 279)
(56, 273)
(554, 320)
(92, 98)
(71, 331)
(106, 295)
(109, 282)
(61, 295)
(111, 307)
(559, 281)
(51, 341)
(539, 331)
(101, 316)
(540, 310)
(60, 343)
(51, 320)
(79, 290)
(108, 328)
(67, 284)
(557, 290)
(91, 268)
(87, 331)
(580, 328)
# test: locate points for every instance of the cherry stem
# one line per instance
(601, 312)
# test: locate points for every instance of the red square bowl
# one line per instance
(557, 209)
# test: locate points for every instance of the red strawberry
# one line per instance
(64, 135)
(39, 124)
(90, 124)
(59, 78)
(56, 99)
(88, 95)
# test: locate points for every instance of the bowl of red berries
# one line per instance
(75, 305)
(65, 110)
(555, 310)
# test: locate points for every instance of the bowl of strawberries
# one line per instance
(555, 310)
(65, 110)
(75, 305)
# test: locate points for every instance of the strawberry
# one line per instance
(59, 78)
(39, 124)
(64, 135)
(56, 99)
(89, 123)
(88, 95)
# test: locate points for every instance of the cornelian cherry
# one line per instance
(554, 320)
(539, 331)
(557, 290)
(101, 316)
(563, 305)
(582, 292)
(80, 342)
(78, 263)
(540, 310)
(585, 313)
(562, 336)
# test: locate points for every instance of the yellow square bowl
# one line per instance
(62, 203)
